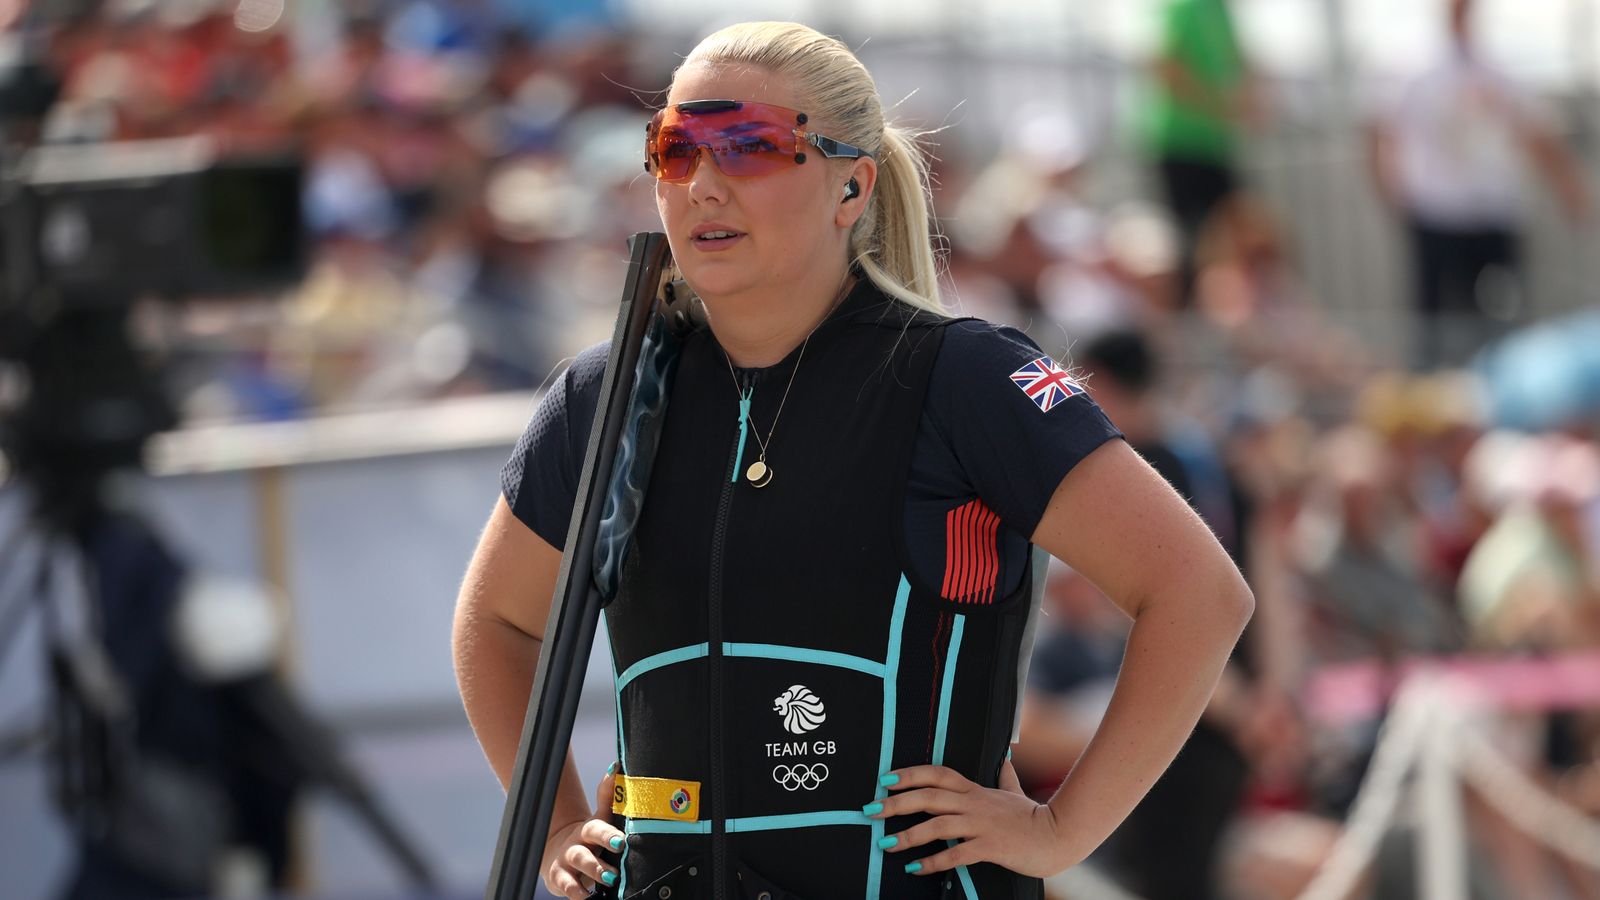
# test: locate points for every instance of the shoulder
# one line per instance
(588, 369)
(974, 348)
(980, 337)
(580, 394)
(567, 407)
(1013, 419)
(868, 305)
(576, 393)
(987, 372)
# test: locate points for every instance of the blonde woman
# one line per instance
(821, 630)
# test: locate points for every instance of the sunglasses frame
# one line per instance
(828, 147)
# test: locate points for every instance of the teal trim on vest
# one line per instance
(798, 820)
(952, 653)
(891, 671)
(621, 753)
(662, 826)
(805, 655)
(941, 728)
(622, 768)
(750, 823)
(648, 664)
(664, 658)
(966, 879)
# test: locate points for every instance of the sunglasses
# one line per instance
(744, 138)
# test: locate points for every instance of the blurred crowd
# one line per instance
(467, 186)
(1382, 513)
(470, 184)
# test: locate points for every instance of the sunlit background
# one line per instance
(1398, 488)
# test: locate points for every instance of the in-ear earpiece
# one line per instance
(852, 190)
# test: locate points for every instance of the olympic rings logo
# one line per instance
(800, 776)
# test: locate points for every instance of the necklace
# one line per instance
(759, 474)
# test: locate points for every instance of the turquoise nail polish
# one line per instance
(885, 843)
(872, 809)
(913, 868)
(889, 780)
(611, 768)
(610, 878)
(616, 842)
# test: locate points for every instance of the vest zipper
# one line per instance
(719, 536)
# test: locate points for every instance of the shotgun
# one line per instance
(656, 312)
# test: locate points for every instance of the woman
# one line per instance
(820, 630)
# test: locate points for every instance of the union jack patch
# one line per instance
(1045, 383)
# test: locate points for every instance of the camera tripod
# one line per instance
(159, 767)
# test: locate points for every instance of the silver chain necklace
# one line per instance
(759, 473)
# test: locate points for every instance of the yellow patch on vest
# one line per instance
(656, 798)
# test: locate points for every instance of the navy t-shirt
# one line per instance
(982, 437)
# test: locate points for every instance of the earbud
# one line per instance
(852, 190)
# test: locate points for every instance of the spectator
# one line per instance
(1447, 158)
(1202, 93)
(1358, 547)
(1533, 580)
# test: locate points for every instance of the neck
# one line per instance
(760, 328)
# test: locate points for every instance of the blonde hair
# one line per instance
(891, 242)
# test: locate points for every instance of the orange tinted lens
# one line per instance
(747, 139)
(672, 152)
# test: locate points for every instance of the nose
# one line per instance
(706, 181)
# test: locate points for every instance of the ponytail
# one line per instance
(893, 242)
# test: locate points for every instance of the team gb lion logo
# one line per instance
(801, 709)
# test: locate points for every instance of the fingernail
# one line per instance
(616, 842)
(889, 780)
(914, 868)
(609, 878)
(885, 843)
(611, 768)
(872, 809)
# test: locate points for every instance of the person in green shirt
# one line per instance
(1201, 95)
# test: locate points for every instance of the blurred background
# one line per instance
(283, 282)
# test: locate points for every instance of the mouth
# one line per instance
(713, 237)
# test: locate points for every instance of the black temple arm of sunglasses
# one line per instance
(835, 149)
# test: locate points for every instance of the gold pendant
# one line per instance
(758, 474)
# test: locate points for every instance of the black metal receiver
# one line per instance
(633, 392)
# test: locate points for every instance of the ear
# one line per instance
(865, 172)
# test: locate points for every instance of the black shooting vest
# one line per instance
(774, 653)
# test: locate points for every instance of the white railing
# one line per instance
(1435, 743)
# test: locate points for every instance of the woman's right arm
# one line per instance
(499, 627)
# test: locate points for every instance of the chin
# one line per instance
(718, 277)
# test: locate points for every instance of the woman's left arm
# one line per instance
(1118, 523)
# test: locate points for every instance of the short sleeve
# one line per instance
(540, 480)
(1015, 422)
